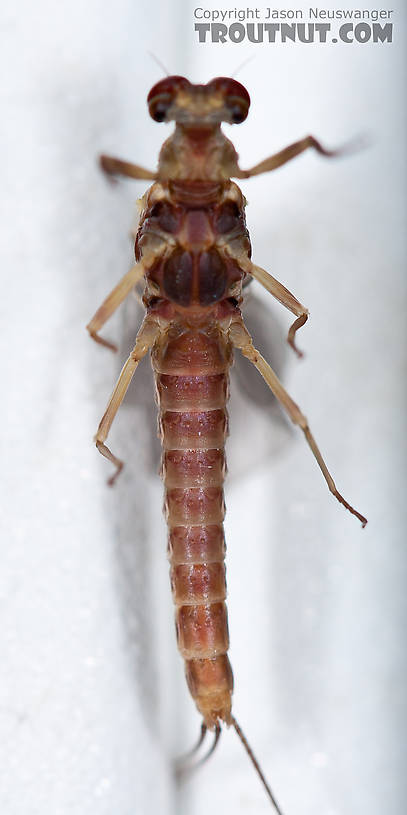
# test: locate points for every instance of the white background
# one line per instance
(93, 704)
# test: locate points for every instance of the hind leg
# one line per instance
(240, 338)
(146, 337)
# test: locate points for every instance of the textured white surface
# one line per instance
(93, 703)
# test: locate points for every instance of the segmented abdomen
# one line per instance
(191, 367)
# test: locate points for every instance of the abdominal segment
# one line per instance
(193, 427)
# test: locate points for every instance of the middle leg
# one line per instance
(112, 302)
(283, 296)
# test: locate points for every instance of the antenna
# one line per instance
(242, 65)
(158, 62)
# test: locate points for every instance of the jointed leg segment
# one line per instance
(115, 166)
(112, 302)
(273, 286)
(288, 153)
(284, 297)
(241, 339)
(145, 340)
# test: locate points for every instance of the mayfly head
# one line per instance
(220, 100)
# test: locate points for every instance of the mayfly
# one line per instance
(193, 251)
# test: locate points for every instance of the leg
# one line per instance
(146, 337)
(282, 295)
(290, 152)
(240, 338)
(115, 166)
(112, 302)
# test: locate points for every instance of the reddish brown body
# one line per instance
(193, 250)
(193, 428)
(194, 286)
(191, 363)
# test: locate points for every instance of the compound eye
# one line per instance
(238, 109)
(158, 107)
(235, 96)
(162, 96)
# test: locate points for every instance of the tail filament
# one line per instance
(256, 764)
(183, 764)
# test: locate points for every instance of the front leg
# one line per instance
(290, 152)
(115, 166)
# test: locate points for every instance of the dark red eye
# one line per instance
(237, 100)
(162, 95)
(237, 112)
